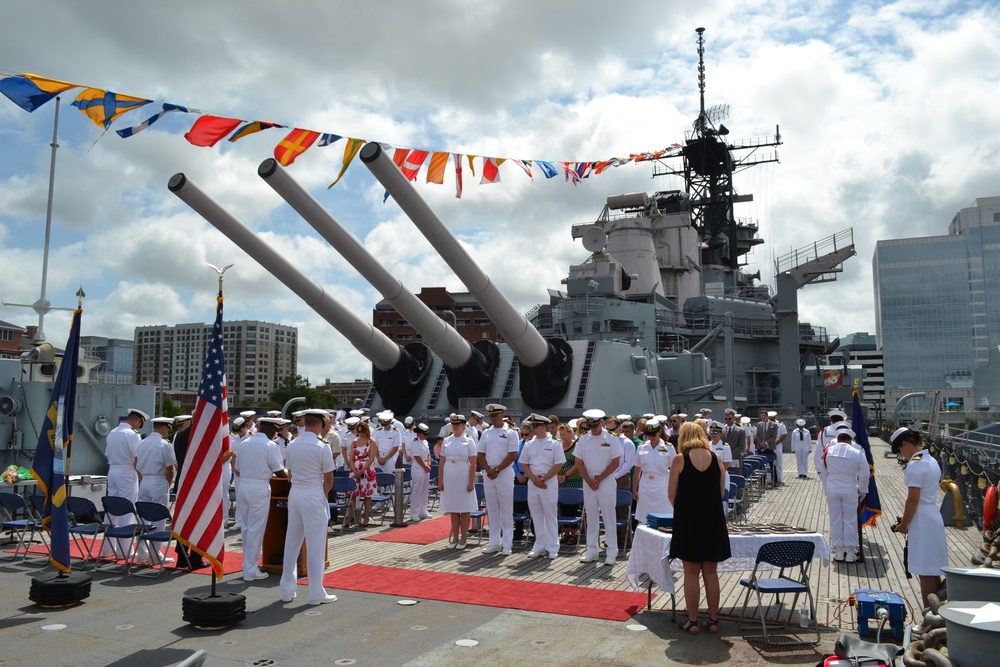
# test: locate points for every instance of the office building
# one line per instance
(259, 355)
(861, 348)
(349, 394)
(117, 357)
(937, 301)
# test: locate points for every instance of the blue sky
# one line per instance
(886, 110)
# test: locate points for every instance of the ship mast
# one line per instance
(709, 161)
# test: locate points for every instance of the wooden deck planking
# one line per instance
(800, 502)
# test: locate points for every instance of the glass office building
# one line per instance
(937, 301)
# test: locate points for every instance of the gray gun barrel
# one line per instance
(546, 365)
(442, 338)
(397, 373)
(529, 346)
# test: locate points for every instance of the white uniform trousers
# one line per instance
(500, 507)
(779, 463)
(153, 489)
(255, 497)
(543, 509)
(843, 520)
(419, 484)
(226, 477)
(123, 482)
(602, 500)
(308, 516)
(802, 461)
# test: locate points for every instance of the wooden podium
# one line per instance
(274, 533)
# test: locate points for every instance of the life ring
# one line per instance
(990, 507)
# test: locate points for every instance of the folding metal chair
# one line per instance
(433, 495)
(737, 496)
(520, 499)
(36, 501)
(623, 499)
(339, 498)
(785, 555)
(478, 518)
(116, 506)
(385, 483)
(84, 522)
(150, 514)
(22, 530)
(570, 511)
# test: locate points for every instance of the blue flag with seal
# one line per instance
(871, 507)
(51, 462)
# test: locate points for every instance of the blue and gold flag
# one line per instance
(50, 465)
(871, 507)
(104, 106)
(29, 91)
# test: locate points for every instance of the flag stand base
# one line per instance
(54, 590)
(214, 612)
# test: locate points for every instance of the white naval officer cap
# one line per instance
(357, 413)
(648, 415)
(652, 426)
(456, 418)
(772, 414)
(246, 414)
(239, 422)
(594, 417)
(715, 427)
(274, 413)
(163, 420)
(494, 408)
(573, 423)
(351, 422)
(138, 413)
(423, 428)
(298, 414)
(541, 420)
(623, 417)
(705, 411)
(475, 413)
(408, 420)
(385, 416)
(744, 419)
(271, 420)
(180, 419)
(316, 412)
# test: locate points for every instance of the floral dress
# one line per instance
(366, 484)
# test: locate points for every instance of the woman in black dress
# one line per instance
(700, 538)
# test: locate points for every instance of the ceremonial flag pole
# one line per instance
(870, 507)
(199, 509)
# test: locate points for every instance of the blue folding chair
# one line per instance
(84, 523)
(570, 510)
(737, 497)
(623, 499)
(20, 529)
(477, 519)
(339, 499)
(787, 556)
(385, 483)
(118, 536)
(524, 517)
(433, 495)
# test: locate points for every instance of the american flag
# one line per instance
(198, 511)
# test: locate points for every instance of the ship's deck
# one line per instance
(129, 620)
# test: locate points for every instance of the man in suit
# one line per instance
(734, 436)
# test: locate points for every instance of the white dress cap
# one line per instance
(139, 412)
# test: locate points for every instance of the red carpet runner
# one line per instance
(424, 532)
(488, 591)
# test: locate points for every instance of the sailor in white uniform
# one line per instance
(802, 445)
(715, 430)
(476, 425)
(310, 466)
(122, 449)
(541, 459)
(847, 472)
(259, 459)
(598, 454)
(419, 453)
(652, 472)
(156, 465)
(921, 521)
(389, 441)
(239, 431)
(825, 437)
(496, 451)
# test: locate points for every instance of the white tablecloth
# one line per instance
(651, 551)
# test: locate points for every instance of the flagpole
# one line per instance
(221, 273)
(42, 306)
(80, 295)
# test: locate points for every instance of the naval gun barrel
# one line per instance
(545, 364)
(470, 371)
(391, 363)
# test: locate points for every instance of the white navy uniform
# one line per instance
(726, 453)
(847, 473)
(653, 468)
(308, 513)
(259, 458)
(386, 441)
(495, 444)
(928, 551)
(455, 454)
(122, 449)
(419, 479)
(155, 456)
(823, 440)
(625, 465)
(541, 455)
(801, 444)
(597, 452)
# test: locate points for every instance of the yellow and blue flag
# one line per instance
(104, 106)
(29, 91)
(871, 506)
(51, 463)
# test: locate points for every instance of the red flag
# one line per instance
(293, 145)
(209, 130)
(411, 165)
(491, 169)
(199, 509)
(399, 155)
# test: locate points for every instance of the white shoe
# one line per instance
(460, 546)
(610, 560)
(492, 549)
(256, 577)
(505, 552)
(588, 558)
(535, 554)
(324, 600)
(851, 557)
(452, 545)
(426, 516)
(839, 555)
(553, 555)
(288, 598)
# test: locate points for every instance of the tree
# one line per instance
(295, 386)
(169, 408)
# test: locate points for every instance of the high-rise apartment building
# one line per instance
(937, 301)
(459, 309)
(259, 355)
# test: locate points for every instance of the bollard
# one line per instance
(398, 509)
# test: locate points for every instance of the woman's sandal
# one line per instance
(690, 627)
(712, 625)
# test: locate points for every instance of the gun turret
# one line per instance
(398, 373)
(545, 363)
(470, 368)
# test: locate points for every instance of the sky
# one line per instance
(886, 111)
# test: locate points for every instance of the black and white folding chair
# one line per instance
(793, 559)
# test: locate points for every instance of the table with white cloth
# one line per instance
(650, 555)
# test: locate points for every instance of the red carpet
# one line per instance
(424, 532)
(488, 591)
